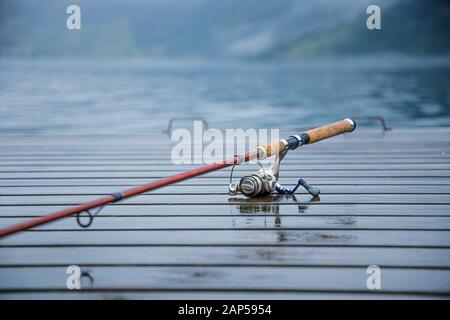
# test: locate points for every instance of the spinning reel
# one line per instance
(265, 181)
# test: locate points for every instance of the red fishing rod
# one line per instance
(261, 152)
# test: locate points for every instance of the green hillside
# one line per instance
(411, 27)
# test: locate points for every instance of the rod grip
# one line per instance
(328, 131)
(270, 149)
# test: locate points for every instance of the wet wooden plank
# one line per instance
(401, 137)
(438, 174)
(363, 134)
(247, 209)
(321, 181)
(241, 168)
(425, 258)
(99, 160)
(89, 237)
(250, 222)
(94, 163)
(207, 295)
(155, 199)
(262, 279)
(165, 156)
(184, 189)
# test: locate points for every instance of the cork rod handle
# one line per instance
(329, 130)
(308, 137)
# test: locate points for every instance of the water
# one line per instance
(140, 96)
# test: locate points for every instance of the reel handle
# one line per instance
(328, 131)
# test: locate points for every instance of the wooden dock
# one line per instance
(385, 201)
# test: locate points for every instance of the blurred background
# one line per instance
(238, 63)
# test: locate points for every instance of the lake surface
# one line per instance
(139, 96)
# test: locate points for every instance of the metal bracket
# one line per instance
(374, 118)
(168, 130)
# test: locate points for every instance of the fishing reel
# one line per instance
(265, 181)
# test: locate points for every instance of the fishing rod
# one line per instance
(262, 182)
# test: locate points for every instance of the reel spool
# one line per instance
(253, 184)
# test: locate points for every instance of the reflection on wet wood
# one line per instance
(384, 201)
